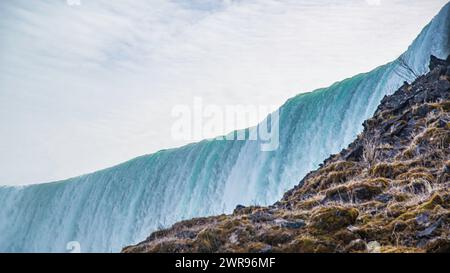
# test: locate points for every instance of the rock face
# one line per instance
(387, 192)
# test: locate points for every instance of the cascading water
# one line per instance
(115, 207)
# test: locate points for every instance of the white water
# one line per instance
(112, 208)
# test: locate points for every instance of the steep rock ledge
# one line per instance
(387, 192)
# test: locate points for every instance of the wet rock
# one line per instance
(436, 62)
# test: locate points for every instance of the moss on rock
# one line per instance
(326, 219)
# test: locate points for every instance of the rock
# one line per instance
(208, 240)
(443, 85)
(274, 238)
(355, 154)
(261, 216)
(340, 193)
(233, 238)
(384, 197)
(186, 234)
(441, 123)
(438, 245)
(429, 230)
(373, 247)
(435, 62)
(363, 193)
(422, 243)
(352, 228)
(346, 236)
(400, 226)
(367, 190)
(290, 224)
(266, 249)
(356, 245)
(397, 128)
(422, 111)
(421, 97)
(258, 247)
(434, 201)
(423, 218)
(446, 169)
(238, 209)
(419, 186)
(333, 218)
(310, 245)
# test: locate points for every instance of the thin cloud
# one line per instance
(83, 87)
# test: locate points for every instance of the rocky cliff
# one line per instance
(387, 192)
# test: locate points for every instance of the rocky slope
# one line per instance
(387, 192)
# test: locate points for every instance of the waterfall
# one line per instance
(109, 209)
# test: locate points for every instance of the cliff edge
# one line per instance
(387, 192)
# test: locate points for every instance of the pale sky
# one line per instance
(84, 87)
